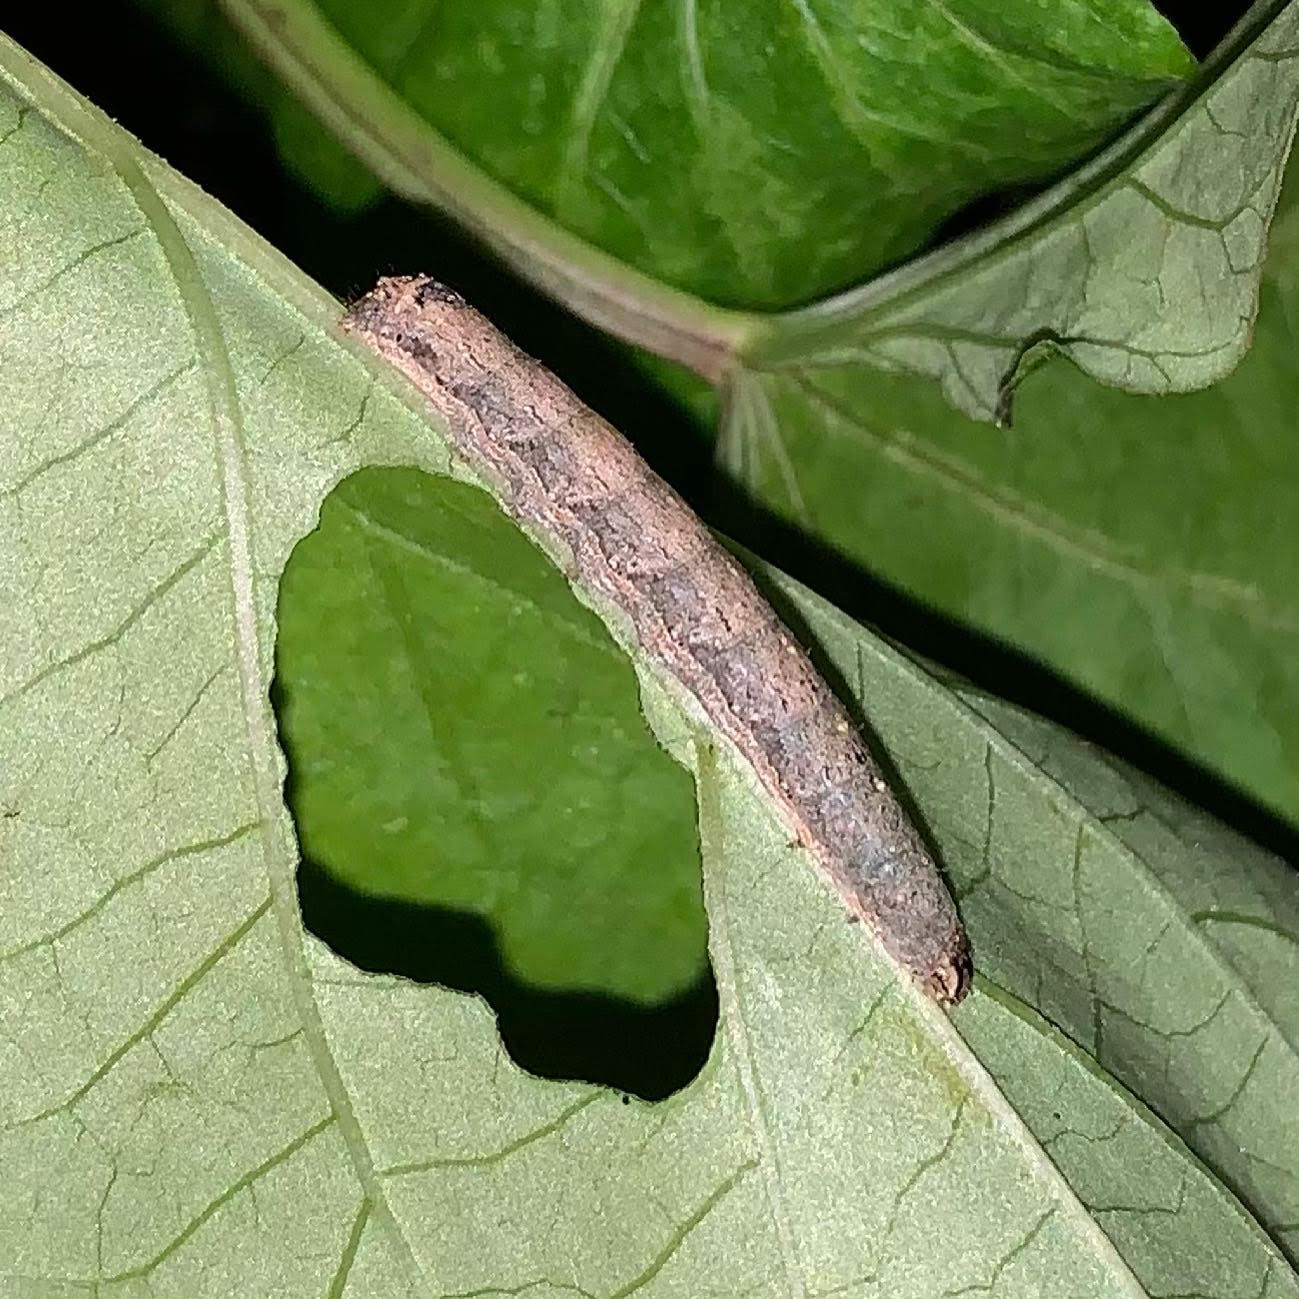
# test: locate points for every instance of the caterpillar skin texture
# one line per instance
(564, 471)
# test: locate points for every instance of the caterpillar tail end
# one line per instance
(949, 978)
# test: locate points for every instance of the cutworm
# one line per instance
(564, 471)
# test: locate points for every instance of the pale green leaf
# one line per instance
(197, 1098)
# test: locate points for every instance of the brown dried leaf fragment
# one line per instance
(563, 471)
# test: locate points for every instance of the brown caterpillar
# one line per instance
(564, 471)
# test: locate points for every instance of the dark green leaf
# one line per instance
(756, 155)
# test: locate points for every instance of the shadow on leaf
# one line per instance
(649, 1051)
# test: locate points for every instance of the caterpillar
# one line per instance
(562, 470)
